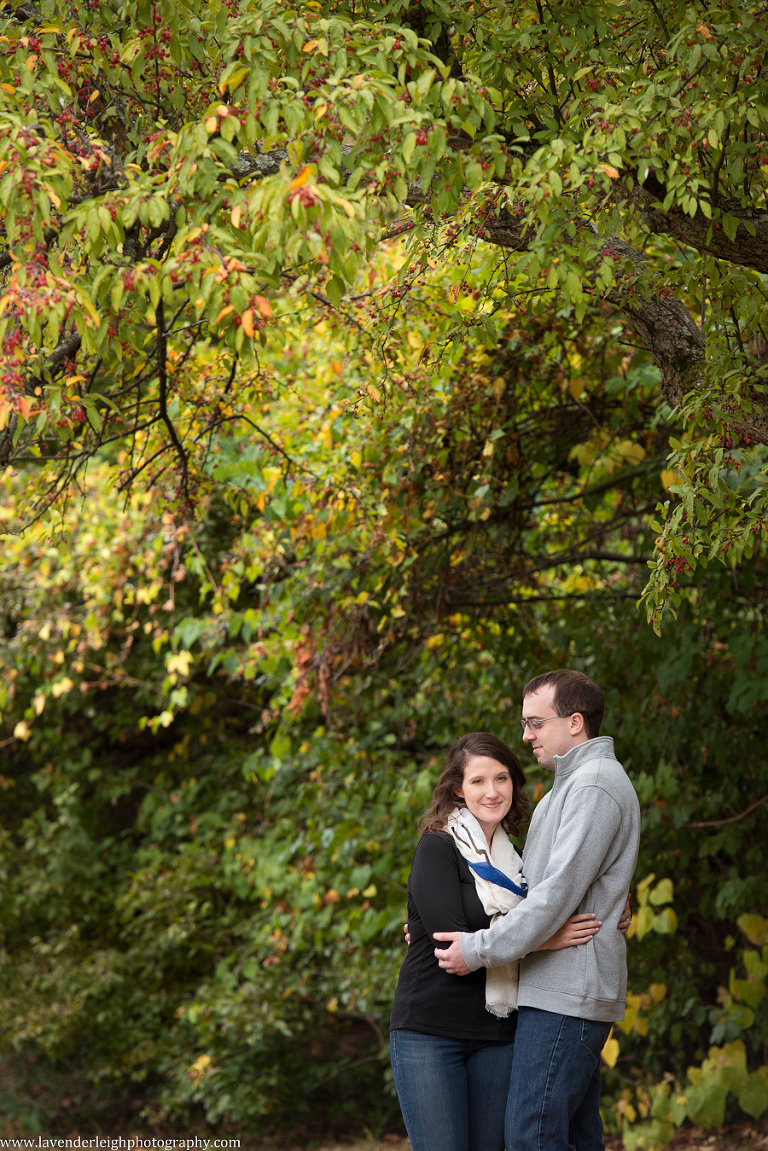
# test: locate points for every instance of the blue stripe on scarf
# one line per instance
(493, 875)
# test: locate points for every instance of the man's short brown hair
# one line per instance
(574, 691)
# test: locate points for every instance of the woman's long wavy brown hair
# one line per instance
(444, 797)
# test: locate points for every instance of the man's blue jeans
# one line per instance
(554, 1092)
(452, 1092)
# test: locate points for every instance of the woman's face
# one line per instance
(487, 790)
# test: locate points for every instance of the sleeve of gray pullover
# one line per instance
(589, 822)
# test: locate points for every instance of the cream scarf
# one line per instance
(500, 887)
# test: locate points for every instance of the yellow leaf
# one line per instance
(224, 312)
(247, 322)
(211, 124)
(671, 476)
(179, 662)
(8, 88)
(610, 171)
(310, 46)
(222, 110)
(304, 176)
(94, 96)
(199, 1067)
(657, 991)
(373, 392)
(663, 892)
(320, 110)
(38, 703)
(235, 215)
(755, 927)
(610, 1051)
(22, 731)
(31, 61)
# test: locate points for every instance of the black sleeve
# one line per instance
(435, 886)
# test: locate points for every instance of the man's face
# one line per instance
(555, 737)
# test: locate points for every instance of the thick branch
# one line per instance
(709, 236)
(663, 323)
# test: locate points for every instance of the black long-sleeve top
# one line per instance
(442, 897)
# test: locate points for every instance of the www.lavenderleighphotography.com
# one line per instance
(383, 489)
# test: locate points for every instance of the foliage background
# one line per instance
(303, 500)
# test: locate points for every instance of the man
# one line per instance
(580, 855)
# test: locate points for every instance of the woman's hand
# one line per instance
(578, 929)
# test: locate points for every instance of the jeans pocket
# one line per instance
(594, 1035)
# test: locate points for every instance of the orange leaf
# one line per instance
(263, 305)
(247, 321)
(304, 176)
(609, 171)
(224, 312)
(157, 149)
(310, 46)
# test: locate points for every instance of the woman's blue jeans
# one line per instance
(452, 1092)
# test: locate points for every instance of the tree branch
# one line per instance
(730, 819)
(709, 236)
(162, 399)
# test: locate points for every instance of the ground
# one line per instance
(750, 1136)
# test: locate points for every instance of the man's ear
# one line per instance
(577, 724)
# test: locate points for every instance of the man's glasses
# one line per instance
(535, 724)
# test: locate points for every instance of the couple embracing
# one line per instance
(508, 1055)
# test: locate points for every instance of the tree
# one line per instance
(218, 736)
(174, 174)
(339, 299)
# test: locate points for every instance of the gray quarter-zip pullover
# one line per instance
(580, 855)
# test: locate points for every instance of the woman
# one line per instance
(451, 1038)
